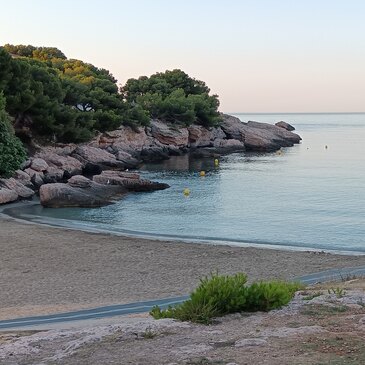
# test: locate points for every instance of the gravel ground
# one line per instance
(48, 270)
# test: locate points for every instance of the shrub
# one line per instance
(265, 296)
(220, 295)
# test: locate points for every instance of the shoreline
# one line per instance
(85, 226)
(47, 270)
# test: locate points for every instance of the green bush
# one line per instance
(220, 295)
(12, 152)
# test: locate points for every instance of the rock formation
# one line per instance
(104, 158)
(104, 189)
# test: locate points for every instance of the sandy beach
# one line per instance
(46, 270)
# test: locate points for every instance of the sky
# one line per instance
(257, 55)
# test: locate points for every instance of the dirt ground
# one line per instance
(322, 325)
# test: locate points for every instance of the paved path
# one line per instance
(142, 307)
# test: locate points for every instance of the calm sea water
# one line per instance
(306, 197)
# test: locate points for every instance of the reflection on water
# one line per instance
(308, 196)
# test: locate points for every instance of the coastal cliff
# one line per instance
(53, 171)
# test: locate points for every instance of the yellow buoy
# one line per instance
(202, 173)
(216, 162)
(186, 192)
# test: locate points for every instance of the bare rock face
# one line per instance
(16, 186)
(229, 145)
(79, 192)
(62, 161)
(258, 136)
(7, 196)
(200, 136)
(169, 134)
(97, 157)
(124, 138)
(130, 181)
(285, 125)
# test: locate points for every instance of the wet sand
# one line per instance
(47, 270)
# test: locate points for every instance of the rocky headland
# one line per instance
(94, 174)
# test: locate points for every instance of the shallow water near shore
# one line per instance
(308, 196)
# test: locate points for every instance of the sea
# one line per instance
(307, 197)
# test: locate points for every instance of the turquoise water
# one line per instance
(306, 197)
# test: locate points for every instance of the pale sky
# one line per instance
(257, 55)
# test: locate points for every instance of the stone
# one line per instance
(23, 177)
(169, 134)
(247, 342)
(128, 160)
(38, 164)
(16, 186)
(35, 177)
(7, 196)
(97, 156)
(70, 165)
(200, 136)
(258, 136)
(79, 181)
(79, 193)
(130, 181)
(53, 174)
(285, 125)
(152, 154)
(229, 145)
(124, 138)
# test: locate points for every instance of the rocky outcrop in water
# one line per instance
(285, 125)
(130, 181)
(78, 192)
(109, 153)
(104, 189)
(259, 136)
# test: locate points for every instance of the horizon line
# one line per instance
(278, 113)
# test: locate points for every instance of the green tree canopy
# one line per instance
(70, 99)
(173, 96)
(12, 153)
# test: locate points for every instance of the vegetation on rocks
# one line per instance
(175, 97)
(68, 100)
(12, 153)
(220, 295)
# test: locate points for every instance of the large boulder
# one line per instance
(79, 192)
(23, 177)
(285, 125)
(16, 186)
(130, 181)
(97, 156)
(258, 136)
(38, 164)
(169, 134)
(7, 196)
